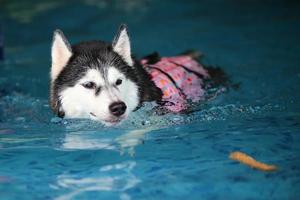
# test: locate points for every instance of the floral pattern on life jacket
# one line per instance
(180, 78)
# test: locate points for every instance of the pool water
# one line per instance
(149, 156)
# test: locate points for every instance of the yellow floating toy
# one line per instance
(248, 160)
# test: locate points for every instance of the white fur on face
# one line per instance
(122, 47)
(60, 53)
(80, 102)
(127, 91)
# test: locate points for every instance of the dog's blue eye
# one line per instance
(89, 85)
(119, 82)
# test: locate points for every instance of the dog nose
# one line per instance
(118, 108)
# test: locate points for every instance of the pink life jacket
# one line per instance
(180, 79)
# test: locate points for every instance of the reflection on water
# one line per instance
(86, 140)
(124, 141)
(111, 178)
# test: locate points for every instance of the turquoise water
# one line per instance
(150, 156)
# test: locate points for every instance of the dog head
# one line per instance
(94, 79)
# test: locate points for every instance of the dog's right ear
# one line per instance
(60, 52)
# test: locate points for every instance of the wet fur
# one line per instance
(86, 56)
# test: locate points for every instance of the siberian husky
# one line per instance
(101, 81)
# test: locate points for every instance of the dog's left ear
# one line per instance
(121, 44)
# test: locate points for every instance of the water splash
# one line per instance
(23, 110)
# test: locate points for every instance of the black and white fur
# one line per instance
(98, 80)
